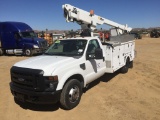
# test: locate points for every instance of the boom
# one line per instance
(88, 20)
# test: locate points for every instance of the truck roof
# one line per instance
(84, 38)
(20, 26)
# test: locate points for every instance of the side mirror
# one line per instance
(89, 56)
(98, 53)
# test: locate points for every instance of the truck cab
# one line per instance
(19, 38)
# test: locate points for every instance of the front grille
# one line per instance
(26, 78)
(43, 44)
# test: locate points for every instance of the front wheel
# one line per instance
(71, 94)
(28, 52)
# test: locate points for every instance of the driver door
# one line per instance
(94, 67)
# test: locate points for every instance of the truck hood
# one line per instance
(41, 43)
(46, 63)
(33, 40)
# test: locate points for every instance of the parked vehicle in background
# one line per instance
(155, 33)
(136, 35)
(50, 37)
(19, 38)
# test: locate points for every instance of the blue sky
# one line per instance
(42, 14)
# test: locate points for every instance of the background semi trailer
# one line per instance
(19, 38)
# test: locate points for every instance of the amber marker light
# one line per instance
(91, 12)
(55, 78)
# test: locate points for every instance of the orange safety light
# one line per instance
(91, 12)
(53, 78)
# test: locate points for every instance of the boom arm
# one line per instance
(87, 20)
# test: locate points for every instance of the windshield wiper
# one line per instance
(63, 54)
(47, 54)
(60, 54)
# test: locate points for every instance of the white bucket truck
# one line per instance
(69, 65)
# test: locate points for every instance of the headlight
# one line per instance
(41, 73)
(35, 46)
(51, 83)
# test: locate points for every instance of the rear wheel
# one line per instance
(71, 94)
(28, 52)
(131, 64)
(157, 36)
(1, 52)
(124, 69)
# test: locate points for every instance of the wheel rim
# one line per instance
(74, 94)
(28, 52)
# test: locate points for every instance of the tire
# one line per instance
(1, 52)
(124, 69)
(131, 64)
(140, 37)
(151, 35)
(17, 101)
(71, 94)
(157, 36)
(28, 52)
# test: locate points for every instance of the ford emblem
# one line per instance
(20, 79)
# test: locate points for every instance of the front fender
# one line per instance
(68, 75)
(28, 46)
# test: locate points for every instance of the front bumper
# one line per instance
(35, 97)
(38, 50)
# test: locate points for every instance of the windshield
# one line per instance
(28, 34)
(68, 47)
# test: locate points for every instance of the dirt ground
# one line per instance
(131, 96)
